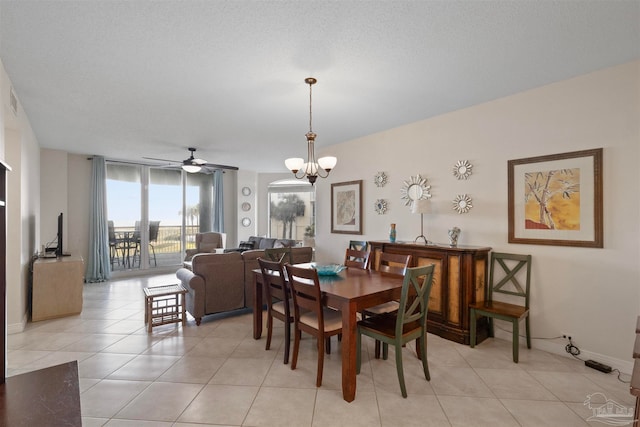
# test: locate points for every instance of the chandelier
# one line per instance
(311, 169)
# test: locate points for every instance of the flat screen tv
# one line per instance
(59, 251)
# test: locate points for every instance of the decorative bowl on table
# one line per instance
(328, 269)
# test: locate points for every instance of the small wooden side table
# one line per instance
(164, 305)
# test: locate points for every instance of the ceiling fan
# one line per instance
(193, 165)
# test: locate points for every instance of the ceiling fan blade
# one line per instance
(214, 166)
(195, 162)
(161, 160)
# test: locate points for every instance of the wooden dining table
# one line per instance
(351, 291)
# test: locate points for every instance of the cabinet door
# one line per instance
(438, 296)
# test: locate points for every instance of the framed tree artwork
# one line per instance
(346, 207)
(556, 199)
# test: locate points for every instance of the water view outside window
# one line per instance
(174, 214)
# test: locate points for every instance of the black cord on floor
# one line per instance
(575, 351)
(523, 336)
(570, 348)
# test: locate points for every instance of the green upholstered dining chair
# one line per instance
(357, 259)
(310, 315)
(279, 304)
(359, 245)
(279, 254)
(505, 276)
(408, 323)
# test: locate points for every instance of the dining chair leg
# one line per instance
(515, 339)
(296, 347)
(327, 344)
(385, 351)
(527, 331)
(269, 331)
(376, 351)
(422, 344)
(287, 341)
(400, 369)
(320, 361)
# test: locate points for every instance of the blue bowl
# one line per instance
(329, 269)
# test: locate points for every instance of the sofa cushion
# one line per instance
(256, 241)
(266, 243)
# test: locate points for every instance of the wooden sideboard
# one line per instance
(460, 277)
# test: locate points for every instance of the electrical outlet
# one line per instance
(566, 335)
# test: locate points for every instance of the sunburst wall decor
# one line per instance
(415, 188)
(462, 203)
(380, 179)
(380, 206)
(462, 169)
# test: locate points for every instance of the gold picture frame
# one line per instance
(557, 199)
(346, 207)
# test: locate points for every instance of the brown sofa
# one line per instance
(222, 282)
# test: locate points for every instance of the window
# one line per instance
(292, 209)
(156, 213)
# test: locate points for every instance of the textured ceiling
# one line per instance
(129, 79)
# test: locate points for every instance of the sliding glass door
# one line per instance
(154, 214)
(165, 217)
(124, 211)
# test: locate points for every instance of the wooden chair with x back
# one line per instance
(392, 265)
(506, 274)
(357, 259)
(282, 255)
(408, 323)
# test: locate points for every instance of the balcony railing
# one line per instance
(166, 246)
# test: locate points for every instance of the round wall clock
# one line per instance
(246, 191)
(462, 203)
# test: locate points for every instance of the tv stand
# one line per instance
(57, 287)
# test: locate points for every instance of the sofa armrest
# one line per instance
(195, 297)
(190, 281)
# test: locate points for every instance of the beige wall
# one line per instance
(593, 294)
(21, 151)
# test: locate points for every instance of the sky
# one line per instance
(165, 203)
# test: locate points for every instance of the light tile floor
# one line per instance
(217, 374)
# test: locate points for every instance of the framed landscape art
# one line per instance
(346, 207)
(556, 199)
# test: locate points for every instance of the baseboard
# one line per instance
(557, 346)
(16, 328)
